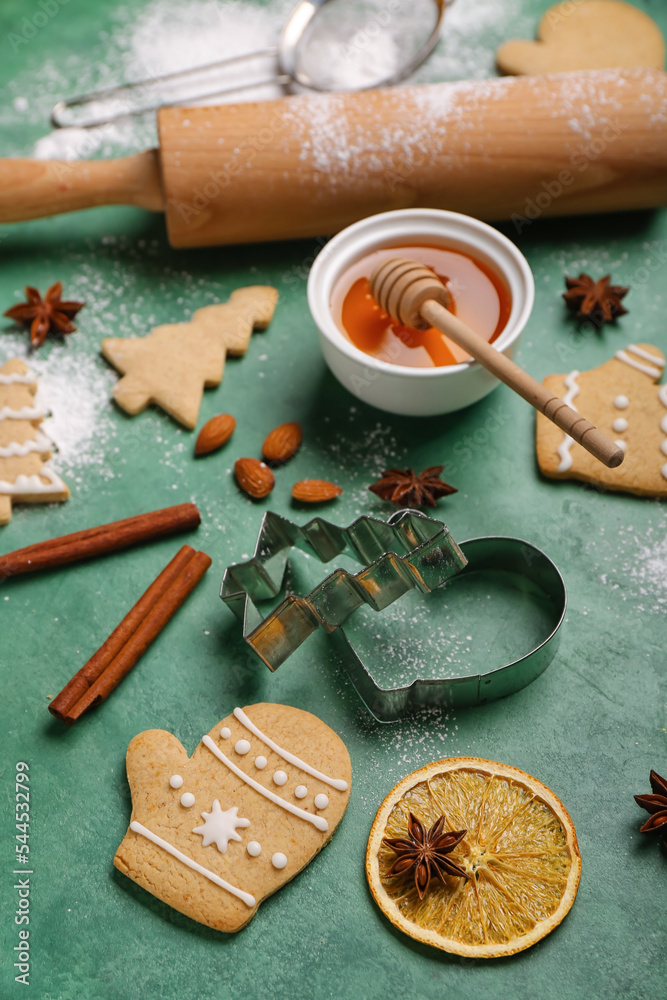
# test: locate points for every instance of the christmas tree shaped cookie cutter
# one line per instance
(409, 551)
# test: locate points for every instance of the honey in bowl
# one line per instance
(479, 297)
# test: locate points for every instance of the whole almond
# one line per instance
(215, 432)
(254, 477)
(282, 443)
(315, 491)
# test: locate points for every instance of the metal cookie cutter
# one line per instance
(409, 551)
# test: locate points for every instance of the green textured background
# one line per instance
(591, 727)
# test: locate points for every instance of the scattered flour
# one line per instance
(167, 36)
(638, 565)
(648, 574)
(75, 390)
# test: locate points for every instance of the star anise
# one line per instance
(655, 804)
(425, 852)
(597, 301)
(44, 315)
(406, 489)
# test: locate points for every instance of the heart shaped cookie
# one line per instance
(214, 834)
(586, 34)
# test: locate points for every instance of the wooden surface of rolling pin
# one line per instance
(518, 147)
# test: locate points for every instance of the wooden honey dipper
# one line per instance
(414, 296)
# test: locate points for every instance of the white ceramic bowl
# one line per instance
(416, 392)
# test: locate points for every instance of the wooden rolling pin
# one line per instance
(518, 147)
(414, 296)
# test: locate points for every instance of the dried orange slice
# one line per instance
(520, 851)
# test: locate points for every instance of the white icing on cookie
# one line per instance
(321, 801)
(278, 860)
(175, 781)
(40, 443)
(280, 778)
(300, 791)
(139, 828)
(25, 413)
(291, 758)
(662, 396)
(317, 821)
(220, 827)
(254, 849)
(260, 763)
(15, 379)
(620, 425)
(647, 369)
(567, 442)
(621, 402)
(646, 355)
(242, 746)
(623, 445)
(34, 484)
(187, 799)
(225, 733)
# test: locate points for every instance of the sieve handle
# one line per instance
(136, 98)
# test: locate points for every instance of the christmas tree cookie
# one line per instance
(622, 398)
(173, 365)
(24, 449)
(214, 834)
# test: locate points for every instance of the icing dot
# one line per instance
(175, 781)
(300, 791)
(620, 425)
(254, 849)
(663, 425)
(664, 447)
(621, 402)
(242, 746)
(278, 860)
(280, 778)
(225, 733)
(664, 470)
(622, 445)
(187, 799)
(260, 763)
(321, 801)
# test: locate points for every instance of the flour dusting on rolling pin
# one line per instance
(519, 148)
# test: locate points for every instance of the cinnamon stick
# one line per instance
(101, 540)
(129, 641)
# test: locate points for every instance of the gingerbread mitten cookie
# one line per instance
(587, 34)
(215, 834)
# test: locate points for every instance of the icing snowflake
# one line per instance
(220, 827)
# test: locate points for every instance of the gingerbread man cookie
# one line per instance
(621, 397)
(215, 834)
(173, 365)
(586, 34)
(24, 449)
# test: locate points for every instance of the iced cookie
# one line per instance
(215, 834)
(588, 34)
(621, 397)
(173, 365)
(24, 449)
